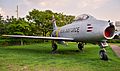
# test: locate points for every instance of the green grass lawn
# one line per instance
(118, 44)
(37, 57)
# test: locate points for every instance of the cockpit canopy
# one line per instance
(82, 17)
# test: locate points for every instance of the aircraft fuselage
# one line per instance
(85, 30)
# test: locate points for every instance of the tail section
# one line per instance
(54, 23)
(55, 31)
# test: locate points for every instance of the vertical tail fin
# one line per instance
(54, 23)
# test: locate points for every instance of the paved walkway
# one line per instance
(116, 49)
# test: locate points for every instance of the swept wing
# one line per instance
(40, 37)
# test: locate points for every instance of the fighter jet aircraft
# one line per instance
(84, 29)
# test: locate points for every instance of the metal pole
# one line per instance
(17, 11)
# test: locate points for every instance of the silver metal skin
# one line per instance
(88, 30)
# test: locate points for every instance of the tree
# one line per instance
(18, 26)
(42, 20)
(36, 23)
(2, 26)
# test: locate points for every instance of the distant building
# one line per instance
(117, 24)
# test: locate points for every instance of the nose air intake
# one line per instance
(109, 32)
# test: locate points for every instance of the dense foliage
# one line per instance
(35, 23)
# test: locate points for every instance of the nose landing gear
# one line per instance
(102, 52)
(103, 55)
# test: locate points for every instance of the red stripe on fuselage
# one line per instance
(90, 27)
(89, 30)
(88, 24)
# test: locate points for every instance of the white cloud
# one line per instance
(43, 3)
(58, 3)
(98, 8)
(93, 3)
(66, 6)
(1, 11)
(47, 2)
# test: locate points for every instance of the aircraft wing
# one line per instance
(40, 37)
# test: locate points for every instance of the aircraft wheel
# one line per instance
(80, 46)
(54, 48)
(103, 55)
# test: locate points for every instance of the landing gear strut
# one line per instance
(54, 46)
(102, 52)
(80, 46)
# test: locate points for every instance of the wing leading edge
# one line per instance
(39, 37)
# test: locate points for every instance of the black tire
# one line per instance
(103, 55)
(54, 48)
(80, 46)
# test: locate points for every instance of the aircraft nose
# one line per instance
(109, 31)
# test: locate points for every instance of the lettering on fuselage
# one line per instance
(76, 29)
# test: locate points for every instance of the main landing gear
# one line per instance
(80, 46)
(54, 46)
(102, 52)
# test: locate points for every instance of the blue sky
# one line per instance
(101, 9)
